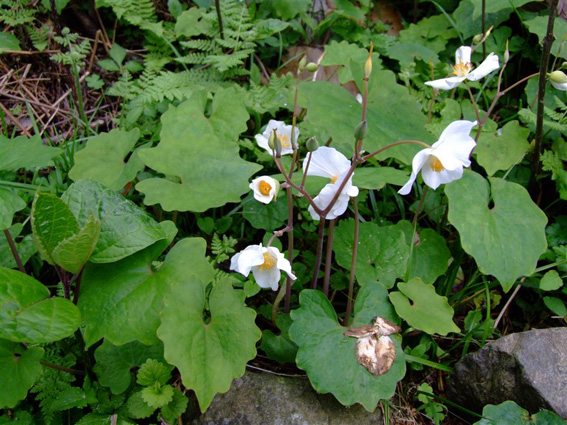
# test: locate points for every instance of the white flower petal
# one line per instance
(460, 129)
(491, 63)
(243, 261)
(446, 83)
(419, 160)
(260, 184)
(282, 131)
(559, 86)
(267, 278)
(283, 263)
(327, 162)
(434, 179)
(463, 55)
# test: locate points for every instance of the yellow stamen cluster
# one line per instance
(269, 262)
(264, 188)
(284, 140)
(462, 69)
(436, 165)
(334, 179)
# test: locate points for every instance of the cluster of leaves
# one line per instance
(140, 298)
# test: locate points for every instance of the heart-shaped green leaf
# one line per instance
(188, 136)
(382, 252)
(502, 149)
(280, 347)
(418, 304)
(126, 228)
(505, 240)
(268, 217)
(10, 203)
(209, 353)
(328, 356)
(28, 315)
(377, 177)
(121, 301)
(103, 159)
(19, 368)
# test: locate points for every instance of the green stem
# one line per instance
(429, 363)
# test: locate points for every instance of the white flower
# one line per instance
(330, 163)
(283, 133)
(463, 69)
(444, 161)
(265, 189)
(265, 264)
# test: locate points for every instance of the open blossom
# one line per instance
(444, 161)
(265, 264)
(330, 163)
(283, 133)
(463, 69)
(265, 189)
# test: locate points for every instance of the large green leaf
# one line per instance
(328, 356)
(510, 413)
(8, 42)
(121, 301)
(103, 159)
(418, 304)
(402, 119)
(199, 155)
(52, 222)
(261, 216)
(341, 54)
(10, 203)
(378, 177)
(126, 228)
(279, 347)
(536, 23)
(382, 251)
(208, 353)
(502, 149)
(506, 239)
(22, 152)
(19, 368)
(114, 363)
(28, 315)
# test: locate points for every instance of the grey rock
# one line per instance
(529, 368)
(266, 399)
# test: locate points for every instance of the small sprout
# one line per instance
(65, 31)
(312, 144)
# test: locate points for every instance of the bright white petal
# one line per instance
(256, 186)
(463, 55)
(490, 64)
(327, 162)
(434, 179)
(559, 86)
(339, 208)
(419, 160)
(263, 143)
(267, 278)
(283, 263)
(456, 154)
(446, 83)
(457, 130)
(243, 261)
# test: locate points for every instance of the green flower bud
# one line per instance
(477, 38)
(271, 140)
(558, 77)
(312, 144)
(564, 65)
(360, 130)
(302, 63)
(312, 67)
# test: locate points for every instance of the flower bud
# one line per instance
(271, 139)
(312, 67)
(302, 63)
(558, 77)
(360, 130)
(506, 53)
(368, 64)
(564, 65)
(312, 144)
(477, 38)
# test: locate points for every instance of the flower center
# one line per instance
(334, 179)
(284, 140)
(269, 262)
(436, 165)
(264, 188)
(462, 69)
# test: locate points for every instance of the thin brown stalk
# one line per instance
(329, 257)
(62, 368)
(14, 251)
(350, 298)
(318, 253)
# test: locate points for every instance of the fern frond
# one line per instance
(199, 44)
(528, 117)
(193, 58)
(14, 13)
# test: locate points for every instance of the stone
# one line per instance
(265, 398)
(529, 368)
